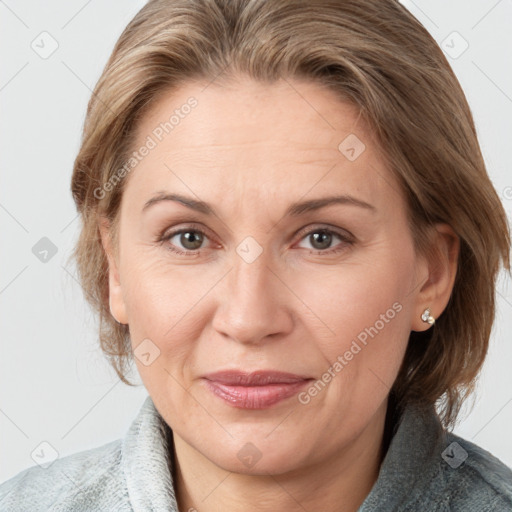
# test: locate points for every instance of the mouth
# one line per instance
(257, 390)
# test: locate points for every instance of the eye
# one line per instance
(322, 238)
(190, 239)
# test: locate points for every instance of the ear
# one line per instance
(116, 300)
(441, 266)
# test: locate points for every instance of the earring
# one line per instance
(427, 317)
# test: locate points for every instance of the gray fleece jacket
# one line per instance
(425, 469)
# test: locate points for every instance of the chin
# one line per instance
(270, 466)
(257, 458)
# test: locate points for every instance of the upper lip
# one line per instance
(255, 378)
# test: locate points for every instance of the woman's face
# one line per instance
(255, 281)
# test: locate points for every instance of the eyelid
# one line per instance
(343, 233)
(187, 226)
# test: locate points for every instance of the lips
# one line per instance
(256, 390)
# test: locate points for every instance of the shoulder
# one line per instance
(472, 479)
(85, 477)
(430, 468)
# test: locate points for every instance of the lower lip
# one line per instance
(254, 397)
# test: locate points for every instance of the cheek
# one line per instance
(160, 300)
(365, 312)
(350, 298)
(167, 311)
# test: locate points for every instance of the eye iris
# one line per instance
(324, 238)
(192, 237)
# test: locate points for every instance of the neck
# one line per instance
(339, 483)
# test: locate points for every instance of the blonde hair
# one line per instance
(371, 53)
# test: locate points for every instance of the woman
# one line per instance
(289, 228)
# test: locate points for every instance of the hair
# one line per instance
(373, 54)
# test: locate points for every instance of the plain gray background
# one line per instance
(55, 386)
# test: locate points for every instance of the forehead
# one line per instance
(302, 115)
(289, 136)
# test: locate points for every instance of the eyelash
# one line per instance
(345, 238)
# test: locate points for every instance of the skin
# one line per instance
(250, 150)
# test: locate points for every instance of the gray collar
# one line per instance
(411, 461)
(417, 443)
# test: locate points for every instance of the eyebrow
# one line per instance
(293, 210)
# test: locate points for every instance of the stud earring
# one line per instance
(427, 317)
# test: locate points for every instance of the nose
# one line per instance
(254, 303)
